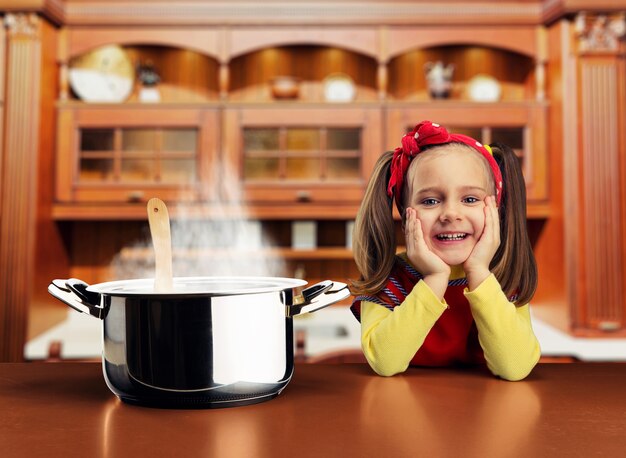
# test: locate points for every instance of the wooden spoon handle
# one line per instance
(159, 220)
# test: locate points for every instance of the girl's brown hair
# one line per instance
(374, 241)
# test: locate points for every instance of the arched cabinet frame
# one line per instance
(523, 40)
(208, 42)
(364, 41)
(75, 42)
(528, 41)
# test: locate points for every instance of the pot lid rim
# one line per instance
(193, 286)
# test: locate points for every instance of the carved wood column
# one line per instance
(598, 298)
(224, 71)
(2, 93)
(63, 62)
(540, 64)
(224, 80)
(382, 74)
(18, 179)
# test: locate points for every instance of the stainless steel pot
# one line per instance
(211, 342)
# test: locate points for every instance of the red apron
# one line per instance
(454, 337)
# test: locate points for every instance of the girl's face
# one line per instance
(447, 187)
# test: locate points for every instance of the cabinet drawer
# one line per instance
(304, 194)
(123, 194)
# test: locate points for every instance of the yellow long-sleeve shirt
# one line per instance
(390, 338)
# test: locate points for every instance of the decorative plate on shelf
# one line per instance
(339, 88)
(103, 75)
(484, 88)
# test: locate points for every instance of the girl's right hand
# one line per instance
(423, 259)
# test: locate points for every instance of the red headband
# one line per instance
(424, 134)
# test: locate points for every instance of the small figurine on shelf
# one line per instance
(149, 78)
(439, 79)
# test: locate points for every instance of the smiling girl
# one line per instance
(460, 293)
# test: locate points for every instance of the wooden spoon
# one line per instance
(159, 220)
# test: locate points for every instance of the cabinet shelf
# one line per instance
(133, 105)
(287, 254)
(137, 211)
(452, 103)
(460, 103)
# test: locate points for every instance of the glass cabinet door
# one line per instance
(297, 154)
(138, 155)
(97, 157)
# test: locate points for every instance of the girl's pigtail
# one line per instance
(514, 263)
(374, 241)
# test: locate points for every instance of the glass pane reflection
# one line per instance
(261, 168)
(138, 140)
(260, 139)
(344, 139)
(303, 139)
(180, 140)
(301, 168)
(96, 139)
(137, 170)
(95, 170)
(511, 136)
(342, 168)
(178, 170)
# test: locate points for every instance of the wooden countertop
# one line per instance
(573, 410)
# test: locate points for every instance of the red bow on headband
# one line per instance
(424, 134)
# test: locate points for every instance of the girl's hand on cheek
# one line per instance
(476, 266)
(424, 260)
(435, 271)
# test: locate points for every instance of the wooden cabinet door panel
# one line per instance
(336, 145)
(128, 154)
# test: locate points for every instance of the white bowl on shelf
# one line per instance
(484, 88)
(339, 88)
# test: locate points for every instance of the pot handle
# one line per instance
(73, 292)
(318, 296)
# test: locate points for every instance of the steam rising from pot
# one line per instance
(228, 243)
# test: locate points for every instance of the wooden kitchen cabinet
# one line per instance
(300, 160)
(128, 153)
(112, 156)
(285, 159)
(560, 64)
(303, 157)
